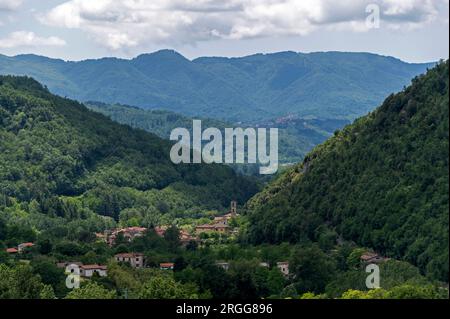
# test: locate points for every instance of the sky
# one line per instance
(412, 30)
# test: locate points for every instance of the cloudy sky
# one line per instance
(413, 30)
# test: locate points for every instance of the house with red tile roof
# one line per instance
(185, 236)
(20, 248)
(372, 258)
(129, 233)
(89, 270)
(24, 246)
(208, 228)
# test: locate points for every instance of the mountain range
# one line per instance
(260, 87)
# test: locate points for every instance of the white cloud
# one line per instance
(120, 24)
(28, 39)
(10, 4)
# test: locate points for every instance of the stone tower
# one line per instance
(233, 210)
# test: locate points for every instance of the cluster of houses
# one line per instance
(20, 248)
(135, 260)
(220, 224)
(128, 233)
(185, 237)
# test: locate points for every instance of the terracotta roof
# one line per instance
(368, 256)
(11, 250)
(166, 265)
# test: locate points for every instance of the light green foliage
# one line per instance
(398, 292)
(354, 259)
(164, 287)
(91, 290)
(20, 283)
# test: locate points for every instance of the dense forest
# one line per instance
(65, 160)
(381, 182)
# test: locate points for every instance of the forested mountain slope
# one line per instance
(159, 122)
(325, 85)
(66, 159)
(296, 136)
(381, 182)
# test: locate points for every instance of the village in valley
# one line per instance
(220, 227)
(223, 226)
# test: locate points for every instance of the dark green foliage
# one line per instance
(381, 182)
(21, 283)
(67, 161)
(172, 237)
(312, 269)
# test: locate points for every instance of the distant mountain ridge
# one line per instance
(336, 85)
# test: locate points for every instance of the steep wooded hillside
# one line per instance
(381, 182)
(53, 150)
